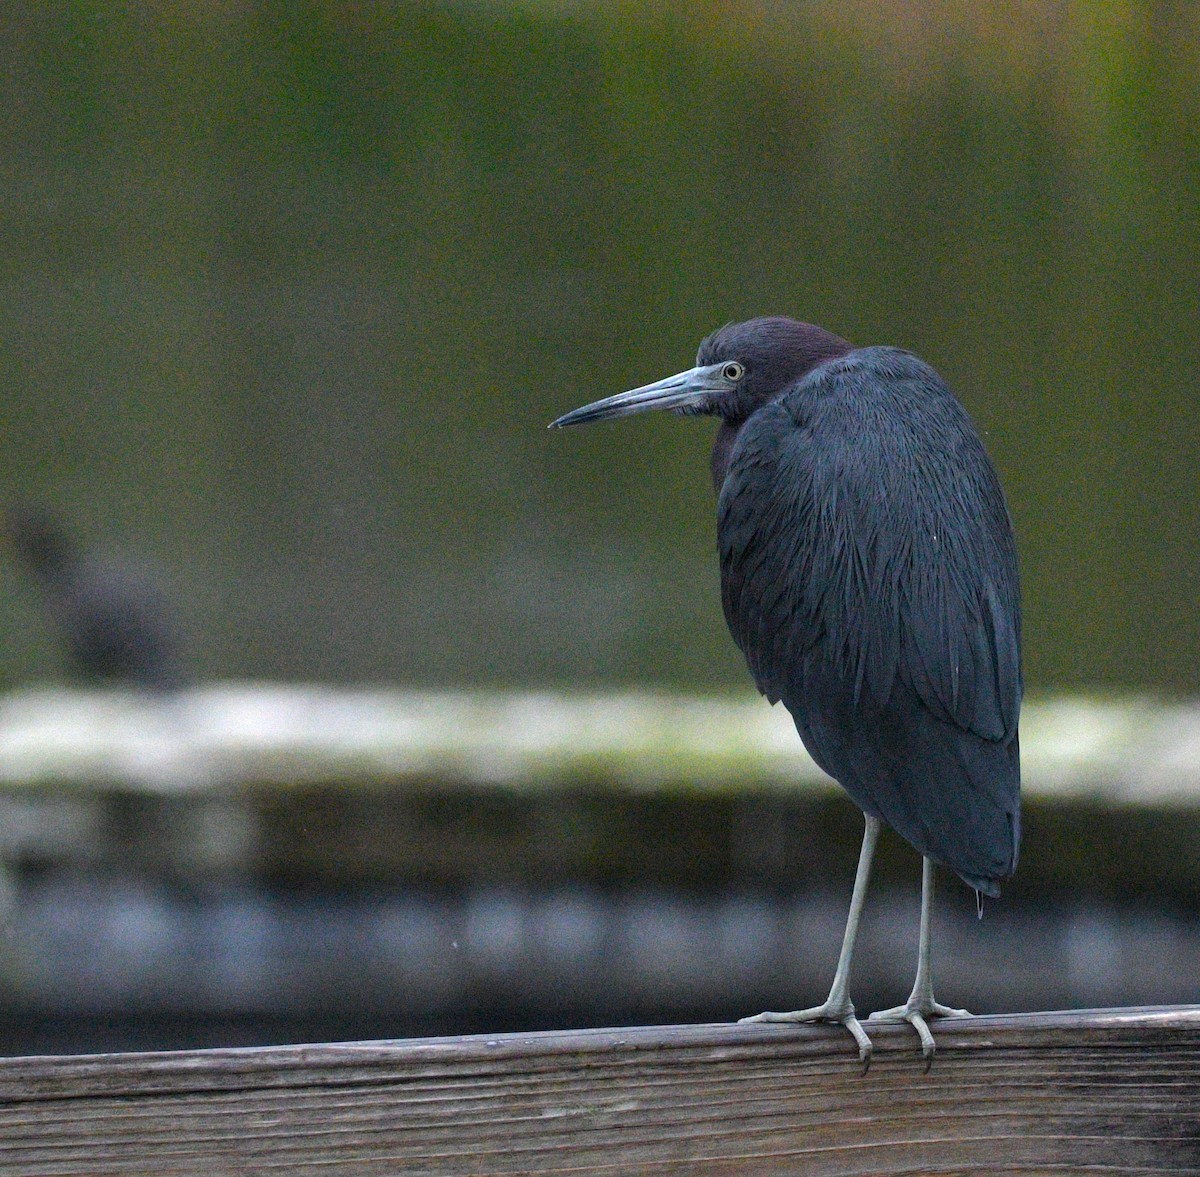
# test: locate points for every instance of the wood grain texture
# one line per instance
(1113, 1091)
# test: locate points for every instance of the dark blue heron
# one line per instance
(112, 614)
(869, 575)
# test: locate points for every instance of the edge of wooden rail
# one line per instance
(37, 1077)
(1115, 1089)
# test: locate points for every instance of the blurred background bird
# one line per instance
(111, 613)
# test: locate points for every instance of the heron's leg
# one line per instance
(838, 1007)
(920, 1004)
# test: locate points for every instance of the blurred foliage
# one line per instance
(292, 289)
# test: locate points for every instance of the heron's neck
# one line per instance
(722, 448)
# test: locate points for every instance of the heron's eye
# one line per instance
(733, 371)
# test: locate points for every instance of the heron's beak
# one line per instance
(690, 389)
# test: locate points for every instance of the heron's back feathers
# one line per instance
(869, 575)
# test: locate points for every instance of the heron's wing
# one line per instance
(862, 522)
(869, 575)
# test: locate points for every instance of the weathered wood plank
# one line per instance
(1110, 1090)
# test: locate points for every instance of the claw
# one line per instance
(928, 1046)
(914, 1012)
(864, 1043)
(842, 1014)
(838, 1007)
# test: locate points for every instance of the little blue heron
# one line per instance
(115, 619)
(869, 575)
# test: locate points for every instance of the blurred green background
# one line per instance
(292, 290)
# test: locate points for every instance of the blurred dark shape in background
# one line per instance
(111, 613)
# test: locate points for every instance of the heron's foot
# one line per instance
(841, 1012)
(914, 1011)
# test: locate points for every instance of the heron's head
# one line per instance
(738, 369)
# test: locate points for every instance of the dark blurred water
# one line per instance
(291, 291)
(118, 963)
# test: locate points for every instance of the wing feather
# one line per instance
(869, 576)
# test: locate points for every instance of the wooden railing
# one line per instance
(1111, 1091)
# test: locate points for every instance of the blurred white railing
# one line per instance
(1114, 751)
